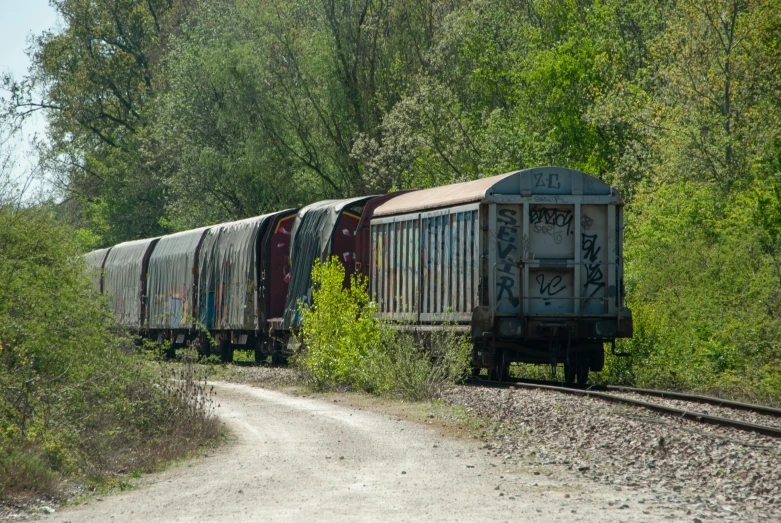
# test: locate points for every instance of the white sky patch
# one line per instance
(20, 21)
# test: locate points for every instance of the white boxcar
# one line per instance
(529, 262)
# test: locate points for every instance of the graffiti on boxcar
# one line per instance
(556, 223)
(547, 180)
(506, 245)
(552, 288)
(594, 275)
(548, 199)
(586, 222)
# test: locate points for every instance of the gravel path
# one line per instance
(696, 470)
(304, 459)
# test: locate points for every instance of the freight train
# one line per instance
(528, 264)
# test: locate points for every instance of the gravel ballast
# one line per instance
(704, 471)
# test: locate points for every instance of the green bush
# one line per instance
(75, 398)
(704, 291)
(341, 332)
(346, 344)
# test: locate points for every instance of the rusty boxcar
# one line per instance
(529, 263)
(243, 279)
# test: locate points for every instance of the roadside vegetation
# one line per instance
(76, 399)
(345, 344)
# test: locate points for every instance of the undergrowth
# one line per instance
(346, 345)
(76, 398)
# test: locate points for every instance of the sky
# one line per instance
(19, 21)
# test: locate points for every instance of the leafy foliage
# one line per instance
(347, 345)
(704, 295)
(72, 400)
(341, 331)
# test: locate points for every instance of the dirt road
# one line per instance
(304, 459)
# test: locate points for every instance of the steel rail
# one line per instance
(701, 417)
(719, 402)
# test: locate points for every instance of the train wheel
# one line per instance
(225, 349)
(597, 360)
(203, 346)
(569, 372)
(576, 371)
(582, 370)
(504, 366)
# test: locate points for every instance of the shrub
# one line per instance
(345, 343)
(75, 400)
(704, 291)
(341, 332)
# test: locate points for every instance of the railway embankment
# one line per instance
(697, 470)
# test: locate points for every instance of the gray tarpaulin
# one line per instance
(227, 274)
(122, 280)
(95, 261)
(311, 239)
(170, 280)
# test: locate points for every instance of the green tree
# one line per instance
(514, 85)
(94, 81)
(266, 99)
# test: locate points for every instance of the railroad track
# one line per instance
(611, 393)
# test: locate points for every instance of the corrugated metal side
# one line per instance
(227, 272)
(423, 265)
(122, 273)
(312, 238)
(171, 280)
(95, 261)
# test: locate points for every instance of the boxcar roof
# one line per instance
(180, 243)
(97, 258)
(539, 180)
(128, 253)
